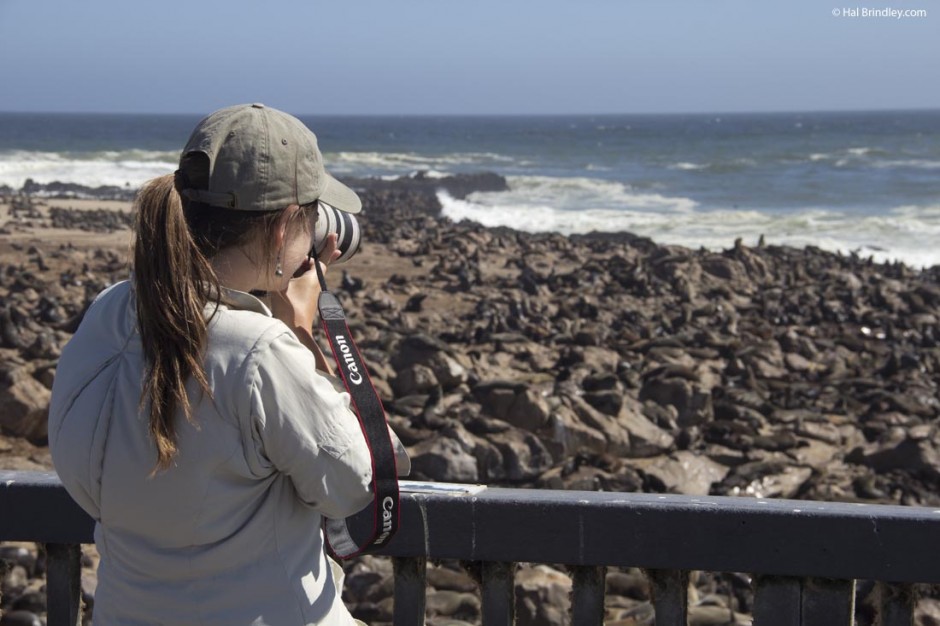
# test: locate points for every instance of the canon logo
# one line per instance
(354, 376)
(387, 505)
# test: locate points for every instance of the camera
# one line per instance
(348, 233)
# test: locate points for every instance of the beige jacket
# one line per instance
(231, 533)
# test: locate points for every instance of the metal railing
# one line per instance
(804, 555)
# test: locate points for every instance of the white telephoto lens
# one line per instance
(348, 233)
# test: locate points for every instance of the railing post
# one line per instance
(777, 601)
(64, 584)
(410, 590)
(587, 602)
(827, 602)
(895, 604)
(499, 598)
(670, 596)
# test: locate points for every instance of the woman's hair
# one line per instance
(174, 282)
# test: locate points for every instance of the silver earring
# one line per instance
(278, 271)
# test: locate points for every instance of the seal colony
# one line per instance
(599, 361)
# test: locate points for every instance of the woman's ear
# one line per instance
(280, 231)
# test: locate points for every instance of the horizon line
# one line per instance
(925, 109)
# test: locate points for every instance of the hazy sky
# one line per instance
(470, 57)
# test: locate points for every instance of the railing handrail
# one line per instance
(667, 532)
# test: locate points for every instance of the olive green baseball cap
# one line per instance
(251, 157)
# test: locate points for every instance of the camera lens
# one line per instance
(348, 234)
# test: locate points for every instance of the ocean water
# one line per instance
(855, 182)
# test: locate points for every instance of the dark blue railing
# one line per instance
(804, 556)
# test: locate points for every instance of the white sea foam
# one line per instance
(921, 164)
(869, 152)
(685, 165)
(125, 168)
(538, 204)
(860, 155)
(726, 165)
(404, 163)
(567, 205)
(580, 194)
(432, 174)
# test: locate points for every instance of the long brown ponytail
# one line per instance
(173, 281)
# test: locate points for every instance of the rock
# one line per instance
(724, 268)
(542, 597)
(441, 577)
(514, 403)
(453, 604)
(529, 410)
(584, 478)
(445, 460)
(616, 436)
(724, 456)
(665, 417)
(524, 457)
(416, 348)
(24, 405)
(592, 472)
(447, 370)
(30, 601)
(766, 479)
(822, 431)
(566, 434)
(927, 612)
(20, 618)
(14, 581)
(599, 359)
(799, 363)
(414, 379)
(603, 381)
(419, 185)
(364, 577)
(716, 616)
(815, 454)
(12, 333)
(18, 555)
(43, 347)
(693, 404)
(411, 406)
(646, 438)
(496, 397)
(630, 583)
(765, 359)
(607, 401)
(684, 472)
(413, 305)
(915, 453)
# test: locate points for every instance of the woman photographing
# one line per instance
(198, 424)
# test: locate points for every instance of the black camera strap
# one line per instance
(368, 408)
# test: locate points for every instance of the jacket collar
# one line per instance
(243, 301)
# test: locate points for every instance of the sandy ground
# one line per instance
(26, 233)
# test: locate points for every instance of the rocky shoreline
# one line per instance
(599, 361)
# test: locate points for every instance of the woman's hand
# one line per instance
(296, 305)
